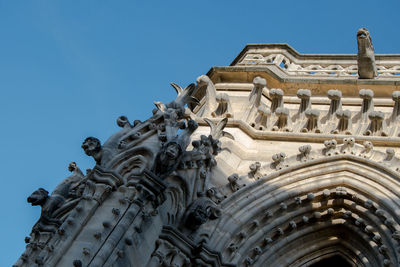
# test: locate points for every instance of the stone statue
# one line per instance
(200, 211)
(92, 148)
(365, 55)
(170, 154)
(64, 197)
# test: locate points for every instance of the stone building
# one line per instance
(280, 159)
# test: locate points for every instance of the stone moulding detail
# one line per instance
(349, 149)
(294, 64)
(344, 201)
(306, 120)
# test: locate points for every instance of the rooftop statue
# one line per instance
(365, 55)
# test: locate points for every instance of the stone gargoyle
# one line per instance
(171, 153)
(365, 55)
(63, 199)
(199, 212)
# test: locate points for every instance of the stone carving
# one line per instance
(147, 185)
(312, 124)
(336, 102)
(377, 125)
(233, 182)
(393, 120)
(276, 99)
(255, 99)
(199, 212)
(306, 65)
(367, 151)
(365, 55)
(216, 105)
(64, 198)
(367, 106)
(305, 103)
(330, 147)
(92, 148)
(215, 194)
(304, 155)
(279, 161)
(255, 170)
(348, 146)
(330, 119)
(261, 121)
(185, 96)
(171, 153)
(217, 129)
(389, 156)
(344, 124)
(283, 123)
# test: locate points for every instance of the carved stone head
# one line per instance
(364, 38)
(172, 150)
(38, 197)
(91, 146)
(72, 166)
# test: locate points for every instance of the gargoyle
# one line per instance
(171, 153)
(64, 197)
(92, 148)
(365, 55)
(199, 212)
(46, 223)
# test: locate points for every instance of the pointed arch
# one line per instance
(342, 204)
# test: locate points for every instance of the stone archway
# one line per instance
(341, 206)
(332, 261)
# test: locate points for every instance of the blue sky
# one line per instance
(68, 69)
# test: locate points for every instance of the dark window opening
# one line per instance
(335, 261)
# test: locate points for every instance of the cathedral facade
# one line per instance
(280, 159)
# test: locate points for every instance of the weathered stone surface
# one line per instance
(249, 174)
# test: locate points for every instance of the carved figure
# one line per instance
(168, 159)
(199, 212)
(367, 150)
(92, 148)
(365, 55)
(64, 197)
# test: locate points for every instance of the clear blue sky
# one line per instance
(68, 69)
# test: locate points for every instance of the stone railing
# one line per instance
(294, 63)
